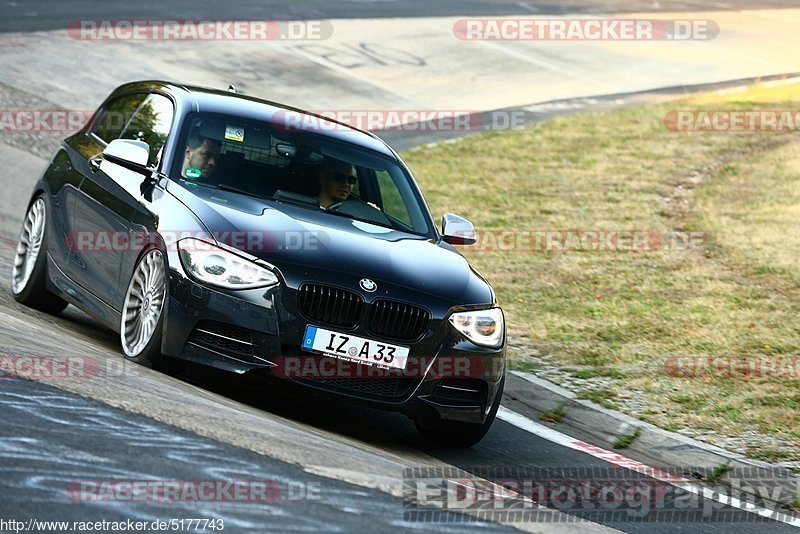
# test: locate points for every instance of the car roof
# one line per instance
(209, 100)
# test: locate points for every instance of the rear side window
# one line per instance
(151, 123)
(115, 116)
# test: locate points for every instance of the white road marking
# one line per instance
(528, 6)
(722, 51)
(528, 58)
(544, 432)
(705, 5)
(349, 74)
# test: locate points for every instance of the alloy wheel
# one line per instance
(144, 302)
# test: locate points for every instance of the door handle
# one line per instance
(95, 163)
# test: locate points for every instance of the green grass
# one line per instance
(769, 454)
(555, 415)
(689, 402)
(624, 316)
(599, 396)
(524, 365)
(718, 472)
(626, 440)
(597, 372)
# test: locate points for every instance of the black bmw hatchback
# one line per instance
(213, 227)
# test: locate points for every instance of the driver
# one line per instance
(336, 181)
(201, 157)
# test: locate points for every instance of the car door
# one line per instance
(110, 196)
(85, 228)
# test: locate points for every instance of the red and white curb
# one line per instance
(524, 423)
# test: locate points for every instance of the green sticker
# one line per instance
(193, 173)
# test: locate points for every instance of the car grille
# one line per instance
(397, 320)
(381, 387)
(377, 382)
(224, 338)
(339, 307)
(330, 305)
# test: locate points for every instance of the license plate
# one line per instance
(354, 348)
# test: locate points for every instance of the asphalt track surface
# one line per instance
(35, 15)
(337, 467)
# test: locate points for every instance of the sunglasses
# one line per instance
(339, 177)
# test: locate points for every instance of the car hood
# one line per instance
(306, 245)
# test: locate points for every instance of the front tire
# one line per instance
(29, 275)
(142, 319)
(458, 434)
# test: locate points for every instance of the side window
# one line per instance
(115, 116)
(151, 123)
(392, 200)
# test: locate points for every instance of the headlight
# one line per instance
(214, 266)
(483, 327)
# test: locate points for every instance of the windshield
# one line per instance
(299, 167)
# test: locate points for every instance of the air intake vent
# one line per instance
(330, 305)
(460, 390)
(224, 338)
(397, 320)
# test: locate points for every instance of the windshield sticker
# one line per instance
(234, 133)
(193, 173)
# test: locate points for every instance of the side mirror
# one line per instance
(457, 230)
(129, 153)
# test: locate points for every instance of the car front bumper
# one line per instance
(260, 332)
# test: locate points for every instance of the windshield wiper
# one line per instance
(377, 222)
(191, 182)
(234, 189)
(295, 198)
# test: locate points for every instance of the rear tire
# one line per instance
(458, 434)
(29, 274)
(142, 320)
